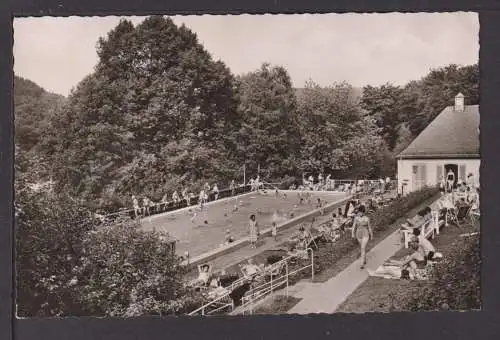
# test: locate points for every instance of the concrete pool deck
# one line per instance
(202, 232)
(326, 297)
(232, 247)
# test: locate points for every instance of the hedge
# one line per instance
(455, 282)
(381, 220)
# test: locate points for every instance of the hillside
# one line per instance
(33, 107)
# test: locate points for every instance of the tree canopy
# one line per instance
(157, 108)
(159, 113)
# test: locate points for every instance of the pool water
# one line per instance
(199, 231)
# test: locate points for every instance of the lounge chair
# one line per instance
(274, 270)
(474, 215)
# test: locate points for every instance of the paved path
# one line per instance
(328, 296)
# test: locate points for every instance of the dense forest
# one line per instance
(157, 113)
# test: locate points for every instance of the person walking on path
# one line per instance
(254, 232)
(362, 230)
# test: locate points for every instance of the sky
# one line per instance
(362, 49)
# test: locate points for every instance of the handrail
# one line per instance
(172, 206)
(256, 293)
(275, 283)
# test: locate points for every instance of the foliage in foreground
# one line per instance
(68, 263)
(455, 282)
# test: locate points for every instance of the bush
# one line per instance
(381, 220)
(455, 283)
(386, 216)
(68, 263)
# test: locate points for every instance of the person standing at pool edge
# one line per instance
(362, 230)
(274, 231)
(254, 232)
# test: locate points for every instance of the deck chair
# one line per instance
(428, 229)
(437, 222)
(274, 270)
(451, 212)
(461, 214)
(246, 274)
(474, 215)
(199, 285)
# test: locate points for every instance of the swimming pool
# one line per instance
(198, 237)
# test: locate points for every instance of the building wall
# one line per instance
(430, 167)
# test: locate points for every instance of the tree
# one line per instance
(268, 135)
(154, 91)
(337, 135)
(405, 137)
(438, 89)
(70, 263)
(33, 107)
(384, 104)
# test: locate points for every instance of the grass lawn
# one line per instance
(333, 263)
(385, 295)
(278, 304)
(329, 261)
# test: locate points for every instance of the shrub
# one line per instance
(127, 272)
(386, 216)
(455, 283)
(68, 263)
(381, 220)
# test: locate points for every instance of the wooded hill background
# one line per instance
(158, 112)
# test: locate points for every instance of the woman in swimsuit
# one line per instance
(362, 230)
(254, 231)
(450, 179)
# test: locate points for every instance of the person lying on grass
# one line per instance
(409, 267)
(425, 246)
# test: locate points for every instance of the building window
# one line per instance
(462, 172)
(419, 176)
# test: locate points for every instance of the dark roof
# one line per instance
(452, 134)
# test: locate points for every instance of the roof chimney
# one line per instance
(459, 102)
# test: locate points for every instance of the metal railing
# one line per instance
(162, 207)
(350, 185)
(256, 294)
(275, 277)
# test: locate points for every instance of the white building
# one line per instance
(449, 142)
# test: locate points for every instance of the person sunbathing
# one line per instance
(418, 220)
(204, 276)
(405, 267)
(251, 269)
(425, 246)
(298, 240)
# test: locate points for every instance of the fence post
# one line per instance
(312, 266)
(286, 273)
(271, 281)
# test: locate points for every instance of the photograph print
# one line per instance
(246, 164)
